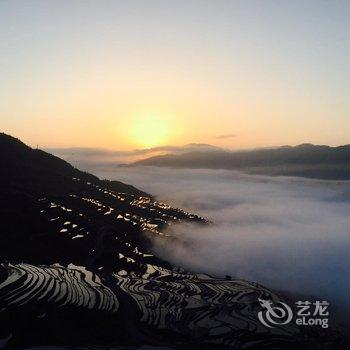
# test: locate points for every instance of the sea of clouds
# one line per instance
(291, 234)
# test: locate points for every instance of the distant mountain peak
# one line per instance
(307, 145)
(193, 144)
(306, 160)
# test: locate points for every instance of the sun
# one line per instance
(150, 131)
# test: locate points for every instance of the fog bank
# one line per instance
(287, 233)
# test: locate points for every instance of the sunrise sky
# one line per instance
(135, 74)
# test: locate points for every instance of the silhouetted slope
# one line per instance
(303, 160)
(31, 180)
(38, 171)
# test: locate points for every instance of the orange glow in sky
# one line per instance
(140, 74)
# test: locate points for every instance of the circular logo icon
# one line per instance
(274, 315)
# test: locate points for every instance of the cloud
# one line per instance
(291, 234)
(92, 152)
(99, 159)
(226, 136)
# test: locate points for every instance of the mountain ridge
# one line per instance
(307, 160)
(21, 163)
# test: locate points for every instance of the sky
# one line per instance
(137, 74)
